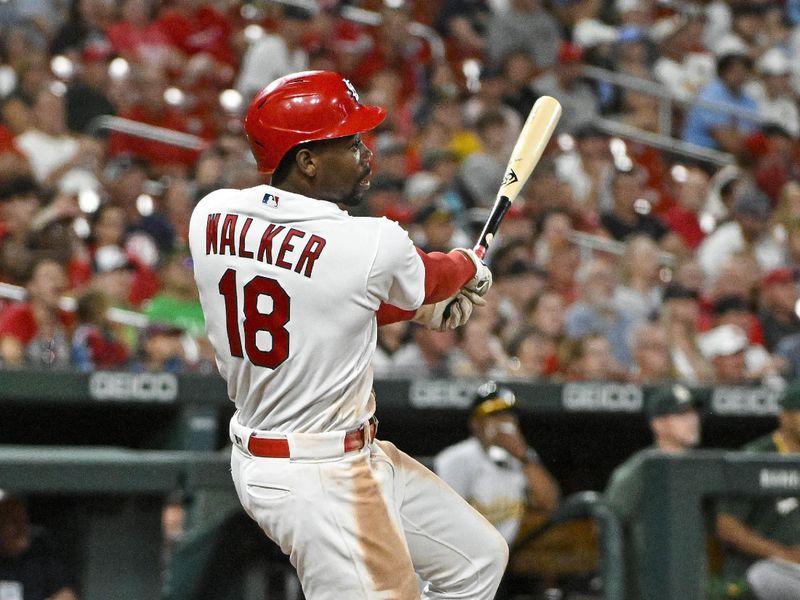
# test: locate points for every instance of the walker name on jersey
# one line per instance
(277, 245)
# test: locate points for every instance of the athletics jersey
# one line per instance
(499, 493)
(289, 286)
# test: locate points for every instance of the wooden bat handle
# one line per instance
(499, 210)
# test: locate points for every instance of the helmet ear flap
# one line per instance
(304, 107)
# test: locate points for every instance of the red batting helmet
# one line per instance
(304, 107)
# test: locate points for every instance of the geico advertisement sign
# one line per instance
(141, 387)
(600, 397)
(744, 401)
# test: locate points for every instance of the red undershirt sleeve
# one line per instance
(445, 274)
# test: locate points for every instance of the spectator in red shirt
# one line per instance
(12, 161)
(682, 218)
(95, 344)
(35, 333)
(150, 107)
(396, 49)
(197, 28)
(138, 37)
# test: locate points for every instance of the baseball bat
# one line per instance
(527, 151)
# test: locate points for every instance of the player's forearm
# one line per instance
(445, 274)
(732, 531)
(387, 313)
(543, 491)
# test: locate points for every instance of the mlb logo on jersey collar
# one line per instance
(270, 200)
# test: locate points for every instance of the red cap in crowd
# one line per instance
(782, 275)
(569, 53)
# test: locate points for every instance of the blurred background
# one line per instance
(656, 244)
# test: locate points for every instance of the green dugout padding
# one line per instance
(672, 511)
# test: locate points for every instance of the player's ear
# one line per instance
(306, 162)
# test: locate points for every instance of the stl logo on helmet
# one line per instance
(351, 90)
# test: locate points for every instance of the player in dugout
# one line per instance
(293, 289)
(675, 423)
(761, 535)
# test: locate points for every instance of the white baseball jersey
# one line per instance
(289, 287)
(499, 493)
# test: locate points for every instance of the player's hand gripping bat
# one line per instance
(528, 150)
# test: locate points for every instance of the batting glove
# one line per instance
(482, 280)
(450, 313)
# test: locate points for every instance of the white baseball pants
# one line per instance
(358, 526)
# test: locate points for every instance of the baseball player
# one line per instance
(293, 289)
(495, 469)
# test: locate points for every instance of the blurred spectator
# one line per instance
(337, 39)
(429, 354)
(630, 213)
(746, 31)
(275, 54)
(139, 38)
(199, 30)
(35, 333)
(747, 234)
(595, 312)
(148, 233)
(95, 345)
(149, 83)
(31, 567)
(651, 354)
(31, 74)
(590, 358)
(19, 203)
(525, 24)
(160, 350)
(734, 360)
(517, 283)
(672, 414)
(683, 217)
(482, 172)
(640, 291)
(578, 101)
(495, 469)
(588, 170)
(177, 302)
(682, 65)
(713, 128)
(546, 313)
(112, 274)
(761, 535)
(518, 72)
(463, 23)
(482, 352)
(391, 338)
(51, 150)
(776, 164)
(438, 228)
(554, 227)
(87, 95)
(680, 311)
(773, 93)
(533, 355)
(86, 24)
(395, 49)
(489, 98)
(778, 306)
(632, 55)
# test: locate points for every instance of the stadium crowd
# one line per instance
(702, 287)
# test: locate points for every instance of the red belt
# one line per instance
(279, 447)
